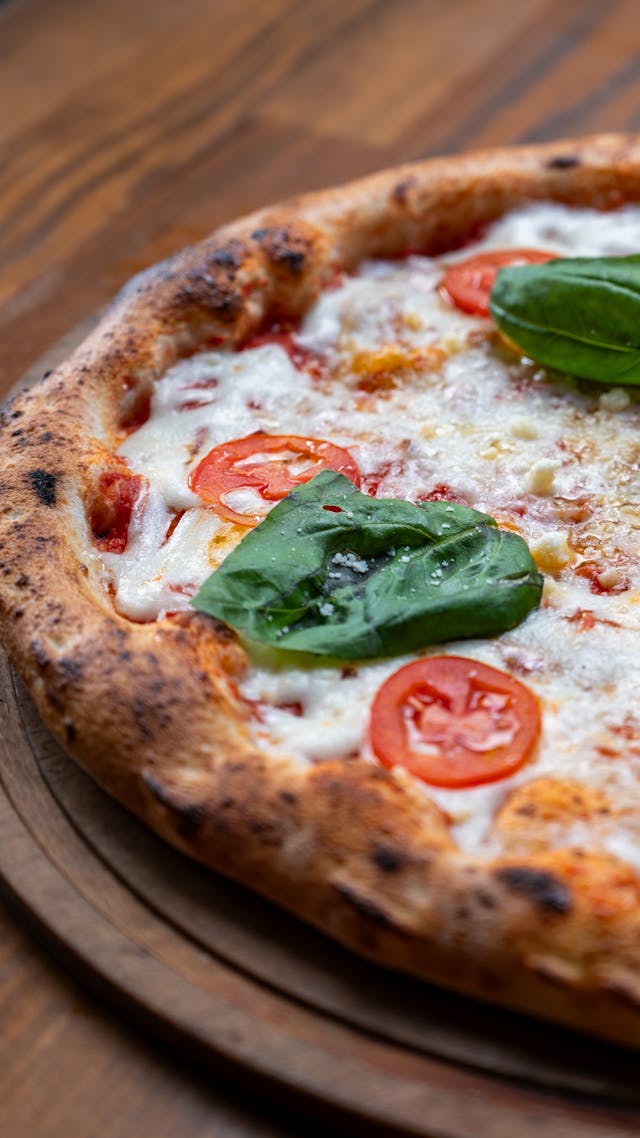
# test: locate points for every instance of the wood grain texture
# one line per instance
(135, 129)
(127, 130)
(70, 1068)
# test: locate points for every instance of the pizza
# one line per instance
(322, 555)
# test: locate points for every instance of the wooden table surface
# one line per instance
(131, 127)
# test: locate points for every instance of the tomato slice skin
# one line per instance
(228, 467)
(454, 722)
(468, 283)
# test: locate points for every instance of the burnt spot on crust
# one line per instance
(68, 669)
(120, 635)
(154, 716)
(69, 731)
(212, 291)
(39, 655)
(71, 667)
(266, 830)
(537, 885)
(43, 484)
(10, 412)
(400, 191)
(22, 581)
(229, 256)
(212, 284)
(140, 713)
(190, 818)
(372, 910)
(284, 247)
(388, 859)
(157, 789)
(563, 162)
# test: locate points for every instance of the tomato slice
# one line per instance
(469, 283)
(454, 722)
(295, 460)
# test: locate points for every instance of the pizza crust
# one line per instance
(152, 711)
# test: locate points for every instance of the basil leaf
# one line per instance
(580, 316)
(333, 572)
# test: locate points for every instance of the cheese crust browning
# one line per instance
(153, 711)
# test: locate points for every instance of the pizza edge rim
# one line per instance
(152, 710)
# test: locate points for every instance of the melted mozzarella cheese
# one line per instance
(555, 459)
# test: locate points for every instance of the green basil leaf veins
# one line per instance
(334, 572)
(577, 315)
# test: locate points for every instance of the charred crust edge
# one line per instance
(284, 247)
(367, 908)
(388, 859)
(401, 190)
(545, 890)
(563, 162)
(43, 483)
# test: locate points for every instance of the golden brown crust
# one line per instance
(151, 710)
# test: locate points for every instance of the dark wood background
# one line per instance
(131, 127)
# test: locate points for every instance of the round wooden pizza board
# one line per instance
(242, 987)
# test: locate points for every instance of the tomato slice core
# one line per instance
(245, 464)
(469, 283)
(454, 722)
